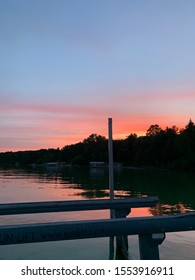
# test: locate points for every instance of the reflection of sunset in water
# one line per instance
(78, 183)
(140, 212)
(166, 209)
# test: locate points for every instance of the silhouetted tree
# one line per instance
(95, 148)
(190, 128)
(153, 130)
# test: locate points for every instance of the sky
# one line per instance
(66, 66)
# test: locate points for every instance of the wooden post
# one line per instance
(122, 247)
(121, 241)
(148, 245)
(110, 151)
(111, 183)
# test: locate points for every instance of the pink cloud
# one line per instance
(43, 108)
(42, 125)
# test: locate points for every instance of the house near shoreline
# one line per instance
(97, 164)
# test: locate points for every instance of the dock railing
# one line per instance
(151, 230)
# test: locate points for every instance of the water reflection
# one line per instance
(167, 209)
(175, 190)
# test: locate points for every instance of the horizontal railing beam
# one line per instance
(97, 228)
(76, 205)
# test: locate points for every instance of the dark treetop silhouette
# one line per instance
(168, 148)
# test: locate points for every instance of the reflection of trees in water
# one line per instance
(170, 187)
(93, 194)
(167, 209)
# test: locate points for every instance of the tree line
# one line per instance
(160, 148)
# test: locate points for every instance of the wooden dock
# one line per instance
(151, 230)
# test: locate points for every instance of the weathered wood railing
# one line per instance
(151, 230)
(76, 205)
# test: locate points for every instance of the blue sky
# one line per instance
(66, 66)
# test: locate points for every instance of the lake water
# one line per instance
(176, 192)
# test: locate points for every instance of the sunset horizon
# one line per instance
(103, 132)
